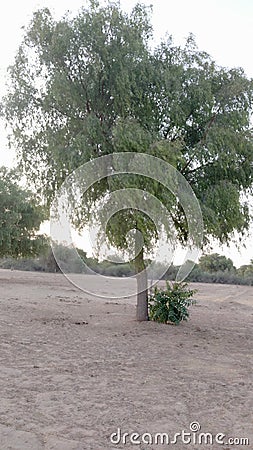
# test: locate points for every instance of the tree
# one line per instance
(68, 259)
(215, 263)
(246, 270)
(91, 85)
(20, 218)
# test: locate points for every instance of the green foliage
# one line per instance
(25, 264)
(91, 85)
(20, 218)
(246, 271)
(215, 263)
(69, 261)
(233, 277)
(114, 270)
(72, 263)
(171, 304)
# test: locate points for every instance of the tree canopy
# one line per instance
(90, 85)
(20, 218)
(215, 263)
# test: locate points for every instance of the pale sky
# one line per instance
(223, 28)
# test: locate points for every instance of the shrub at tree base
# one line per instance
(171, 304)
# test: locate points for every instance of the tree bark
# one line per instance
(142, 288)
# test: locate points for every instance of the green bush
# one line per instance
(171, 305)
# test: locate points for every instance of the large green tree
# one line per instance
(92, 85)
(215, 263)
(20, 218)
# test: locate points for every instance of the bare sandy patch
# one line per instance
(74, 369)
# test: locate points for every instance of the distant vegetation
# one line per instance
(20, 218)
(212, 268)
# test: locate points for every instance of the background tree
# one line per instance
(246, 270)
(215, 263)
(20, 218)
(91, 85)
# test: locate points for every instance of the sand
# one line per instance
(75, 369)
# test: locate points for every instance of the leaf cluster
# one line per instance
(171, 305)
(20, 218)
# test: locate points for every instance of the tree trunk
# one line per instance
(142, 288)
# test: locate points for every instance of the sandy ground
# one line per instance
(74, 369)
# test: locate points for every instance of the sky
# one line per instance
(223, 28)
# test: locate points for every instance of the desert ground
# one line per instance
(74, 369)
